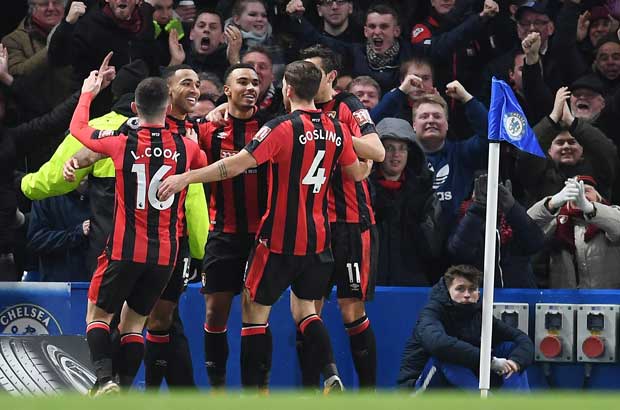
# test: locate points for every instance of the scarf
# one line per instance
(133, 25)
(390, 185)
(385, 60)
(505, 230)
(268, 98)
(252, 39)
(565, 229)
(40, 26)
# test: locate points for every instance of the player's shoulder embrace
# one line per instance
(271, 125)
(350, 100)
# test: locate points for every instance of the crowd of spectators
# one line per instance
(423, 70)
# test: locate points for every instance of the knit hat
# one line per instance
(396, 128)
(598, 13)
(587, 180)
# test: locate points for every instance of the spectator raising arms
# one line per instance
(583, 231)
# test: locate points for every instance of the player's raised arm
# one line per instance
(97, 80)
(223, 169)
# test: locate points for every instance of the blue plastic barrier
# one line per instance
(393, 314)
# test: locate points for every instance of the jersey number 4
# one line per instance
(140, 170)
(316, 175)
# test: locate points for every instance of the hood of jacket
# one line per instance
(122, 106)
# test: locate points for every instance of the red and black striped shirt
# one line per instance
(303, 149)
(181, 127)
(349, 201)
(236, 205)
(145, 229)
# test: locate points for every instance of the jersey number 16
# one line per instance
(140, 170)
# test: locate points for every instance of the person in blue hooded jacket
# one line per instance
(444, 349)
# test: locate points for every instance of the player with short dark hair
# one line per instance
(236, 206)
(293, 241)
(142, 249)
(161, 339)
(352, 224)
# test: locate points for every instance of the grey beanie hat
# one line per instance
(396, 128)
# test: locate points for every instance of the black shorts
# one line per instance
(226, 257)
(115, 282)
(356, 254)
(180, 274)
(269, 274)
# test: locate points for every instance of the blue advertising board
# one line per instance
(34, 308)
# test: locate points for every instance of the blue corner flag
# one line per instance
(507, 121)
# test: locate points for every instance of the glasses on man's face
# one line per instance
(538, 24)
(330, 3)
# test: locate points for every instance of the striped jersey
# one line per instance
(145, 229)
(302, 149)
(236, 205)
(349, 201)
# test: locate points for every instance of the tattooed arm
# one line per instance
(223, 169)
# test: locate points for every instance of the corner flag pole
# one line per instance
(489, 269)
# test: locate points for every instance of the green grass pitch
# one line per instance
(563, 400)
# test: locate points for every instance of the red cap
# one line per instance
(593, 347)
(551, 346)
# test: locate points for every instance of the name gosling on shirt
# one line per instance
(326, 135)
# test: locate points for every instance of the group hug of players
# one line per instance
(289, 206)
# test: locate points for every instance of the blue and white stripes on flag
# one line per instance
(507, 121)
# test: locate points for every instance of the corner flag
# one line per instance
(507, 121)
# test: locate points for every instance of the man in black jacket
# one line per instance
(406, 210)
(14, 143)
(447, 339)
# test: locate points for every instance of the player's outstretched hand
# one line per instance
(170, 186)
(219, 115)
(68, 170)
(106, 71)
(191, 134)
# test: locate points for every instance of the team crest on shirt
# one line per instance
(133, 123)
(331, 114)
(28, 319)
(262, 133)
(562, 219)
(362, 117)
